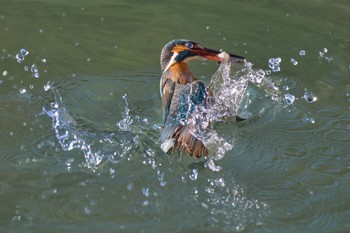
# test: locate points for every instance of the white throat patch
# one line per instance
(171, 62)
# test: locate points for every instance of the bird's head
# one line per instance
(181, 50)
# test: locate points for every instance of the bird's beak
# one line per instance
(213, 55)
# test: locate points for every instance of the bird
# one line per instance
(183, 95)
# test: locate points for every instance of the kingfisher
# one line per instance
(183, 96)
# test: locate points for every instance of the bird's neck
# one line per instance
(180, 73)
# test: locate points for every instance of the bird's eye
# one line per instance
(189, 45)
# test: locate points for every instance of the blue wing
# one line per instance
(179, 103)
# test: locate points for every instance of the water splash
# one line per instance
(227, 91)
(126, 122)
(67, 133)
(96, 146)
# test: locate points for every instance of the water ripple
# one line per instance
(335, 126)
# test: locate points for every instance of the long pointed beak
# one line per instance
(213, 55)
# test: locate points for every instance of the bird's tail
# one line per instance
(187, 141)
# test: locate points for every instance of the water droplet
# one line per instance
(289, 98)
(34, 69)
(19, 57)
(130, 186)
(111, 171)
(309, 119)
(102, 19)
(212, 166)
(31, 86)
(11, 134)
(293, 61)
(16, 218)
(22, 91)
(309, 97)
(220, 182)
(88, 59)
(87, 210)
(302, 53)
(76, 44)
(204, 205)
(26, 68)
(43, 60)
(329, 59)
(274, 64)
(24, 52)
(54, 105)
(323, 52)
(4, 73)
(145, 203)
(194, 174)
(136, 139)
(41, 31)
(145, 191)
(48, 86)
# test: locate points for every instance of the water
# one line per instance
(81, 114)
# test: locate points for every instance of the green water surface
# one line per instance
(288, 171)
